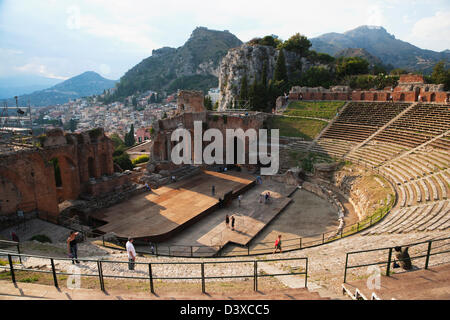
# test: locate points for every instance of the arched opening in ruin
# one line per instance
(363, 96)
(104, 165)
(57, 172)
(433, 97)
(91, 167)
(375, 97)
(402, 97)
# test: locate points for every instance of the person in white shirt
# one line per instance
(131, 253)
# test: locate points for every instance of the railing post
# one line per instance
(18, 251)
(150, 273)
(357, 227)
(323, 238)
(11, 268)
(192, 252)
(345, 270)
(255, 277)
(203, 277)
(388, 269)
(428, 254)
(100, 275)
(306, 274)
(55, 279)
(248, 249)
(300, 243)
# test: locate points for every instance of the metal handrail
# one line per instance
(388, 262)
(150, 275)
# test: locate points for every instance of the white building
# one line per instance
(214, 93)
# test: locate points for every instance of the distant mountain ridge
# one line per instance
(85, 84)
(24, 84)
(360, 53)
(379, 43)
(192, 66)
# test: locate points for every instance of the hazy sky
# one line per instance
(63, 38)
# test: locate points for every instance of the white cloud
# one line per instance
(40, 69)
(375, 16)
(432, 32)
(73, 20)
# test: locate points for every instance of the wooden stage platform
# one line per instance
(161, 213)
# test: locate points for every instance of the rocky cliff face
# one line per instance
(193, 66)
(249, 60)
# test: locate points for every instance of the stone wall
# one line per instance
(27, 177)
(409, 89)
(190, 101)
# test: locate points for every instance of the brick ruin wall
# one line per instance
(27, 177)
(162, 144)
(411, 88)
(190, 101)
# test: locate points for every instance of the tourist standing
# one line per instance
(227, 221)
(131, 253)
(72, 246)
(239, 200)
(14, 237)
(232, 223)
(278, 244)
(213, 190)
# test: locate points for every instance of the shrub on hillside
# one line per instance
(140, 159)
(41, 238)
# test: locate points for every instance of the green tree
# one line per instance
(134, 102)
(440, 75)
(318, 76)
(207, 102)
(129, 137)
(398, 71)
(124, 162)
(264, 75)
(298, 44)
(280, 72)
(243, 94)
(351, 65)
(271, 41)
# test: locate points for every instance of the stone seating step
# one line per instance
(422, 211)
(436, 220)
(391, 219)
(422, 219)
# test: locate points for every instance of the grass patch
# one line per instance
(307, 129)
(316, 109)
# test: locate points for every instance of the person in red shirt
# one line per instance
(278, 244)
